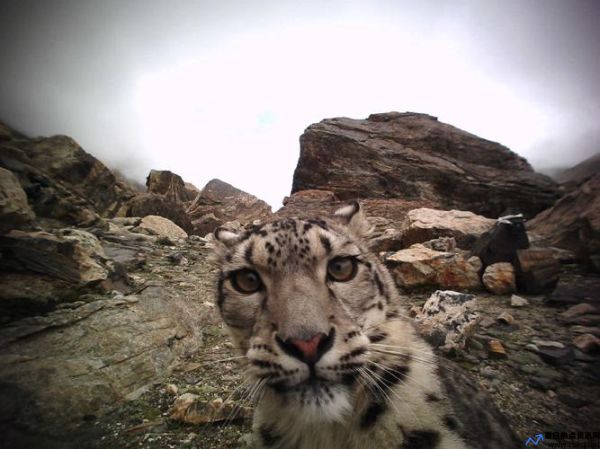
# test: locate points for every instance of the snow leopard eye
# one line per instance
(246, 281)
(341, 269)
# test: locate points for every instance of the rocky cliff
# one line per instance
(414, 157)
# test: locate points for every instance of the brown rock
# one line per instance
(414, 157)
(227, 203)
(72, 255)
(587, 342)
(145, 204)
(578, 310)
(14, 208)
(573, 223)
(536, 270)
(421, 266)
(499, 278)
(162, 227)
(168, 184)
(496, 349)
(425, 224)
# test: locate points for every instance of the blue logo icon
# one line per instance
(534, 441)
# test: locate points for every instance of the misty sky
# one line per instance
(225, 88)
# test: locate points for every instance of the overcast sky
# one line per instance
(225, 88)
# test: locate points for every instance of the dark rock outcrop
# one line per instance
(14, 209)
(145, 204)
(168, 184)
(574, 176)
(573, 223)
(414, 157)
(61, 180)
(219, 202)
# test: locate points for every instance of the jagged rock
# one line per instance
(145, 204)
(425, 224)
(72, 255)
(573, 223)
(168, 184)
(421, 266)
(499, 278)
(578, 310)
(61, 180)
(587, 342)
(414, 157)
(447, 244)
(14, 208)
(536, 270)
(226, 203)
(517, 301)
(501, 243)
(447, 319)
(496, 349)
(161, 226)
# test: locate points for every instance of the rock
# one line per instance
(162, 227)
(14, 208)
(575, 291)
(206, 224)
(499, 278)
(517, 301)
(447, 319)
(444, 244)
(421, 266)
(388, 240)
(578, 329)
(425, 224)
(578, 310)
(169, 185)
(542, 383)
(536, 270)
(505, 318)
(496, 350)
(501, 243)
(145, 204)
(556, 356)
(72, 255)
(574, 176)
(587, 342)
(172, 389)
(188, 408)
(573, 400)
(573, 223)
(414, 157)
(227, 203)
(62, 181)
(547, 343)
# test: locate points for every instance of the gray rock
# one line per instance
(14, 208)
(517, 301)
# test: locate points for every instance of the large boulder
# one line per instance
(162, 227)
(14, 208)
(420, 266)
(414, 157)
(422, 225)
(168, 184)
(61, 180)
(145, 204)
(573, 223)
(225, 203)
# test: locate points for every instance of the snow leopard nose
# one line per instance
(308, 351)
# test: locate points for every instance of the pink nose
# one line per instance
(308, 348)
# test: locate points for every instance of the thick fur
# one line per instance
(377, 385)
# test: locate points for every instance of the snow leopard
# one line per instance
(333, 356)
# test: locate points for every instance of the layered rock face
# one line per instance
(414, 157)
(219, 202)
(61, 180)
(164, 182)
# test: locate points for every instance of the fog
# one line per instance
(224, 89)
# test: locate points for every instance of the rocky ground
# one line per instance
(538, 389)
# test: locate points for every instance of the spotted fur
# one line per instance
(375, 382)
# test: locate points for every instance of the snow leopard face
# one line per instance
(303, 300)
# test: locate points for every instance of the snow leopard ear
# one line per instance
(353, 217)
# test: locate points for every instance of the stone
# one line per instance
(536, 271)
(505, 318)
(169, 185)
(415, 157)
(425, 224)
(578, 310)
(227, 203)
(496, 350)
(145, 204)
(420, 266)
(499, 278)
(584, 289)
(542, 383)
(189, 408)
(578, 329)
(72, 255)
(14, 208)
(445, 244)
(389, 239)
(573, 223)
(162, 227)
(518, 302)
(556, 356)
(587, 343)
(447, 319)
(206, 224)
